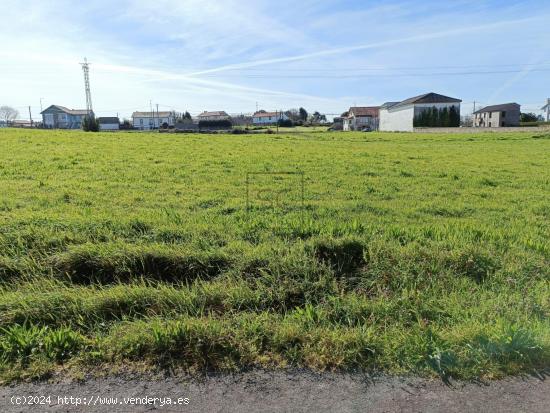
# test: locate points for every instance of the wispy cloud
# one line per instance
(375, 45)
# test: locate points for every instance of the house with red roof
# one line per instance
(362, 118)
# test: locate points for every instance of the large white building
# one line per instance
(153, 120)
(268, 118)
(402, 116)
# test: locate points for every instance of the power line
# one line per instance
(374, 75)
(390, 67)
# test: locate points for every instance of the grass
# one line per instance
(421, 254)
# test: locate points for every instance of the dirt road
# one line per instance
(296, 391)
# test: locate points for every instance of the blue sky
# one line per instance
(230, 55)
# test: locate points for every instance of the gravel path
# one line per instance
(284, 392)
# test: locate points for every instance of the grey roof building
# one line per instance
(497, 116)
(60, 117)
(108, 123)
(402, 116)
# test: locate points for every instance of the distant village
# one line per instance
(429, 110)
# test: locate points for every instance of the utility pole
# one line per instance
(30, 115)
(474, 115)
(151, 114)
(277, 120)
(158, 118)
(86, 70)
(41, 105)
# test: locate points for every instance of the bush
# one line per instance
(529, 117)
(215, 124)
(90, 124)
(285, 123)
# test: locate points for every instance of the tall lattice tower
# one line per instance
(86, 70)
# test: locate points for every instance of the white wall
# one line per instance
(401, 119)
(347, 124)
(154, 122)
(108, 126)
(268, 120)
(397, 120)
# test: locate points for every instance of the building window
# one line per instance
(490, 115)
(503, 114)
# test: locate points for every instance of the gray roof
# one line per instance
(66, 110)
(215, 113)
(106, 119)
(266, 114)
(388, 105)
(498, 108)
(427, 98)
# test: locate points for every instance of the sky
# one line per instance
(239, 55)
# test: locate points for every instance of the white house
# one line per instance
(153, 120)
(361, 117)
(108, 123)
(268, 118)
(405, 115)
(59, 117)
(216, 115)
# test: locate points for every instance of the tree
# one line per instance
(434, 117)
(126, 125)
(303, 114)
(316, 116)
(528, 117)
(8, 114)
(444, 119)
(293, 114)
(454, 117)
(90, 124)
(187, 116)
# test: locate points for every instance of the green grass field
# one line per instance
(405, 253)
